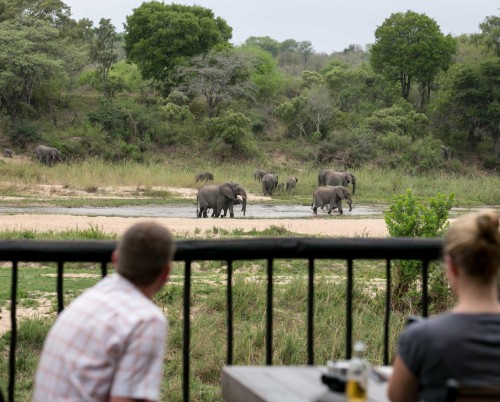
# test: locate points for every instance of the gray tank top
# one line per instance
(465, 347)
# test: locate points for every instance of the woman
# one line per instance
(465, 343)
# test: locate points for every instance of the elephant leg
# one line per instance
(231, 212)
(339, 205)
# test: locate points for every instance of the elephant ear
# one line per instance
(227, 190)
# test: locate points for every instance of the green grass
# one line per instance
(208, 313)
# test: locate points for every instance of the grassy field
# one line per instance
(208, 314)
(374, 186)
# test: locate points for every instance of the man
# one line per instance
(108, 344)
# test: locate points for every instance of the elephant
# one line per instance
(291, 183)
(8, 153)
(220, 198)
(341, 179)
(204, 176)
(322, 176)
(332, 195)
(225, 207)
(446, 152)
(47, 155)
(280, 187)
(259, 174)
(269, 183)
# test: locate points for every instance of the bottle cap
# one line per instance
(359, 347)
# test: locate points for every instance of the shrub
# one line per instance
(346, 149)
(232, 133)
(110, 118)
(23, 134)
(407, 217)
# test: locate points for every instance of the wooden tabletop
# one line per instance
(286, 383)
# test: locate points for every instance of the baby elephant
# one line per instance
(8, 153)
(259, 174)
(204, 176)
(291, 183)
(332, 195)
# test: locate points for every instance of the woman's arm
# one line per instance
(403, 384)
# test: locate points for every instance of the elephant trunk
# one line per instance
(244, 204)
(349, 201)
(353, 185)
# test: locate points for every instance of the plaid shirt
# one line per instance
(108, 342)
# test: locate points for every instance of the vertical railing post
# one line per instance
(13, 333)
(104, 268)
(230, 312)
(60, 293)
(425, 288)
(269, 314)
(310, 314)
(387, 317)
(348, 340)
(187, 331)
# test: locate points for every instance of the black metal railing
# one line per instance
(309, 249)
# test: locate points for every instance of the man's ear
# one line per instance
(165, 273)
(114, 258)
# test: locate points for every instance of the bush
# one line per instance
(491, 162)
(23, 134)
(232, 133)
(407, 217)
(346, 149)
(111, 118)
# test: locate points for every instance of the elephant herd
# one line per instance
(331, 190)
(270, 182)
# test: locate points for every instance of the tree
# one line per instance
(319, 107)
(160, 37)
(265, 43)
(408, 47)
(102, 52)
(305, 49)
(218, 77)
(400, 118)
(471, 102)
(36, 54)
(293, 113)
(265, 74)
(358, 89)
(490, 28)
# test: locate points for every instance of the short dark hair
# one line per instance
(143, 252)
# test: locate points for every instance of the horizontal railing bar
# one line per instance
(235, 249)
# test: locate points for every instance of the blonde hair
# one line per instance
(144, 250)
(473, 243)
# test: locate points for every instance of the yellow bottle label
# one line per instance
(355, 391)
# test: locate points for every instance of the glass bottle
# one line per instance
(357, 375)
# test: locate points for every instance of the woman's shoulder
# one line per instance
(446, 323)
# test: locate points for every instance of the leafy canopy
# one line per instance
(159, 37)
(411, 46)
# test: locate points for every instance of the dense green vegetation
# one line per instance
(171, 85)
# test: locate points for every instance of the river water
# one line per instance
(189, 211)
